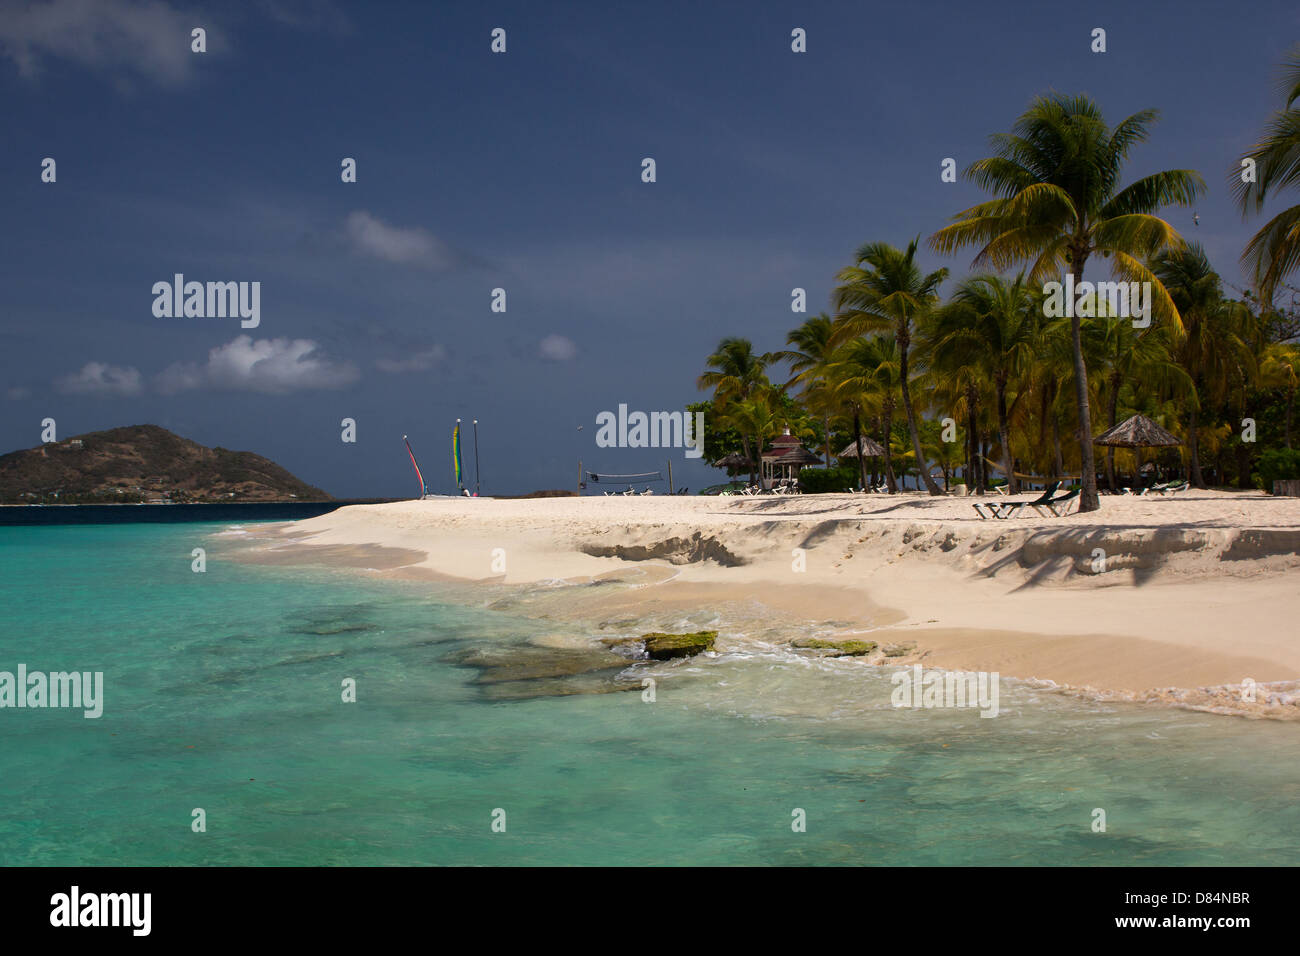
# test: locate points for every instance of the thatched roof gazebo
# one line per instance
(866, 447)
(781, 445)
(1137, 432)
(786, 453)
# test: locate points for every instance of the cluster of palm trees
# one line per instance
(985, 378)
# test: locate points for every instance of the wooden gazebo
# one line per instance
(787, 455)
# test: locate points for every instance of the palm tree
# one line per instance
(1280, 368)
(1126, 355)
(939, 452)
(1053, 366)
(1274, 252)
(1056, 177)
(1214, 340)
(808, 361)
(956, 381)
(994, 323)
(734, 371)
(864, 374)
(755, 417)
(886, 291)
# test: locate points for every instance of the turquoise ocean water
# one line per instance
(223, 692)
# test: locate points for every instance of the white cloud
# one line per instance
(405, 246)
(308, 14)
(145, 37)
(420, 361)
(557, 348)
(97, 378)
(273, 366)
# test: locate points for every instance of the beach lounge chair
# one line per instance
(1057, 507)
(1009, 509)
(1169, 487)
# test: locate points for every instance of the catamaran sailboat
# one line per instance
(457, 470)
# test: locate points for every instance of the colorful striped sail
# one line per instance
(424, 489)
(455, 454)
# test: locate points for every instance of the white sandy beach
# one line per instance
(1188, 596)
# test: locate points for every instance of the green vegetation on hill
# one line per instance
(143, 463)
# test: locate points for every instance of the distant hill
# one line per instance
(144, 463)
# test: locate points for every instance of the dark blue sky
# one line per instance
(519, 171)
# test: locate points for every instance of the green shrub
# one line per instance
(813, 481)
(1277, 464)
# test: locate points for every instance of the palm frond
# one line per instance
(1273, 253)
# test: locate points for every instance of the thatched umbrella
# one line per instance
(795, 459)
(799, 456)
(868, 447)
(1137, 432)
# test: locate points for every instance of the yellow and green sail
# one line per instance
(455, 455)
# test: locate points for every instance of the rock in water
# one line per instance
(662, 647)
(836, 648)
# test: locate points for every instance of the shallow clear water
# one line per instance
(223, 692)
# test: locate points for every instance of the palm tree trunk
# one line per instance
(903, 343)
(1290, 405)
(889, 455)
(857, 442)
(1044, 413)
(1088, 499)
(972, 448)
(1004, 438)
(1243, 453)
(744, 443)
(1059, 459)
(1114, 415)
(1194, 447)
(826, 424)
(875, 459)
